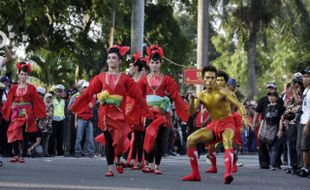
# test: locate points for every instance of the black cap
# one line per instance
(306, 71)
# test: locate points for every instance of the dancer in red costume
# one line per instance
(23, 105)
(159, 89)
(113, 88)
(218, 102)
(137, 69)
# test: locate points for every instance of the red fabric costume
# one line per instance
(161, 86)
(134, 117)
(135, 120)
(238, 120)
(218, 126)
(111, 117)
(23, 106)
(201, 117)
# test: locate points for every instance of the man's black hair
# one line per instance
(209, 68)
(221, 73)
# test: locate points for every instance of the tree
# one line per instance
(50, 68)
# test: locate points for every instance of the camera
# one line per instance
(289, 115)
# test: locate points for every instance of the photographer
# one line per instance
(290, 119)
(4, 147)
(7, 58)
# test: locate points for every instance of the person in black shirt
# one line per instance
(261, 109)
(273, 115)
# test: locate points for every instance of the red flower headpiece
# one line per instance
(155, 50)
(121, 50)
(21, 65)
(136, 57)
(146, 60)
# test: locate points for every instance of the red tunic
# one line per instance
(23, 106)
(134, 117)
(111, 117)
(163, 86)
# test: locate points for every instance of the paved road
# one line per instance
(86, 173)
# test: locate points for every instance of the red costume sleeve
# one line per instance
(135, 92)
(95, 86)
(37, 103)
(8, 103)
(142, 85)
(180, 106)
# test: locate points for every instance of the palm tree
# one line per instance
(51, 69)
(249, 18)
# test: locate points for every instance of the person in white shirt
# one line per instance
(305, 125)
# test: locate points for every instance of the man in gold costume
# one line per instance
(218, 102)
(221, 79)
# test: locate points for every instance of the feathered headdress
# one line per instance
(21, 65)
(119, 50)
(136, 57)
(155, 52)
(146, 60)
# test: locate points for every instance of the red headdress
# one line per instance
(155, 52)
(120, 50)
(21, 65)
(136, 57)
(146, 60)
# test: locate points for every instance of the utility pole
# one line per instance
(112, 30)
(202, 35)
(137, 26)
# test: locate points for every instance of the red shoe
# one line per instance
(14, 160)
(234, 168)
(21, 160)
(192, 177)
(119, 168)
(127, 165)
(228, 179)
(212, 170)
(157, 172)
(147, 169)
(136, 167)
(109, 174)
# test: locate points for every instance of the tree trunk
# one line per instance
(112, 29)
(137, 26)
(251, 53)
(202, 35)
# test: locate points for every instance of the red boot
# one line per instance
(234, 168)
(213, 168)
(195, 175)
(229, 158)
(228, 178)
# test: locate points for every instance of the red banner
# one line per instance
(192, 76)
